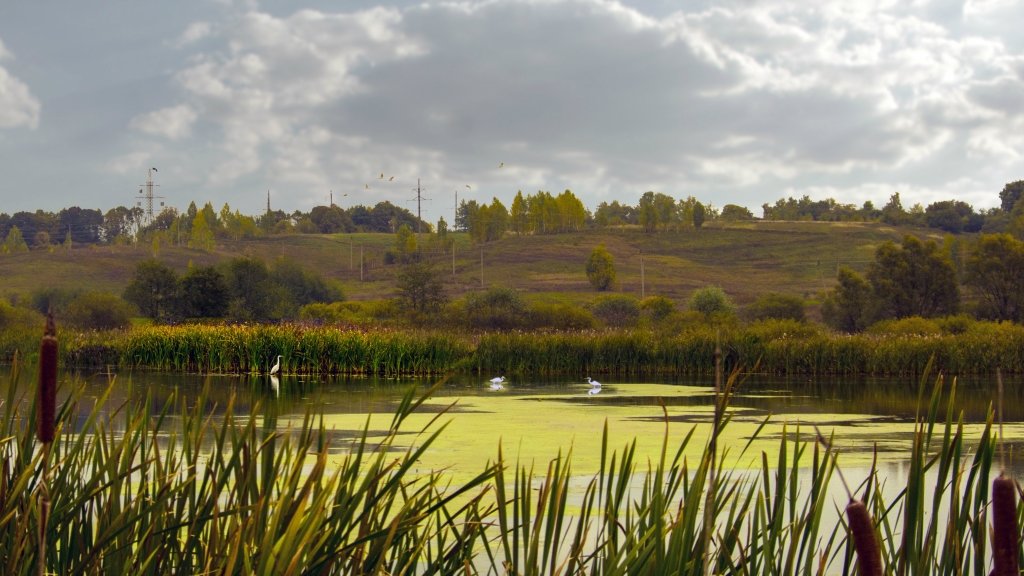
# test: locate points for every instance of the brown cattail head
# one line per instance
(1004, 527)
(47, 399)
(869, 556)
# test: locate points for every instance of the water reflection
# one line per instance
(865, 414)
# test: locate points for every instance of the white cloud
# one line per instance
(194, 32)
(174, 122)
(18, 107)
(744, 99)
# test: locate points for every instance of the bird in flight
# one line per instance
(390, 179)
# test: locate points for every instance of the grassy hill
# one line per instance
(745, 259)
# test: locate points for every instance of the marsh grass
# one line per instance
(153, 489)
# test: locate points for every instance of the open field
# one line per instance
(745, 259)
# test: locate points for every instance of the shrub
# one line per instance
(954, 325)
(99, 311)
(777, 306)
(616, 310)
(560, 317)
(909, 326)
(775, 329)
(657, 308)
(56, 299)
(497, 308)
(711, 300)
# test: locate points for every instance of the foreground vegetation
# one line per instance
(172, 489)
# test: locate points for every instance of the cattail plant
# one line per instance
(869, 556)
(1005, 552)
(46, 402)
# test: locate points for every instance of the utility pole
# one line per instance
(146, 193)
(419, 199)
(642, 294)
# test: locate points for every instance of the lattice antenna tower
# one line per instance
(146, 195)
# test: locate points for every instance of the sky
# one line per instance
(732, 102)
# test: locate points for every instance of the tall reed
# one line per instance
(171, 489)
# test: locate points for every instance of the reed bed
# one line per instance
(169, 489)
(779, 348)
(305, 349)
(814, 352)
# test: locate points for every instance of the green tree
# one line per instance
(254, 295)
(893, 212)
(201, 236)
(849, 306)
(600, 268)
(405, 243)
(913, 279)
(995, 270)
(14, 242)
(647, 213)
(519, 217)
(698, 215)
(711, 301)
(736, 212)
(1010, 194)
(420, 287)
(303, 286)
(153, 289)
(203, 293)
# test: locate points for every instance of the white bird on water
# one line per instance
(497, 380)
(274, 369)
(593, 383)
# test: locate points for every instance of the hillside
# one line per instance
(745, 259)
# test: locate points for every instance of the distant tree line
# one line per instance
(540, 213)
(197, 227)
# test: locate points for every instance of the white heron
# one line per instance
(593, 383)
(497, 380)
(274, 369)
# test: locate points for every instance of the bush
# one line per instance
(560, 317)
(909, 326)
(959, 324)
(617, 310)
(657, 308)
(99, 311)
(775, 329)
(56, 299)
(711, 301)
(495, 309)
(777, 306)
(336, 313)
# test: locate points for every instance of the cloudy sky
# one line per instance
(732, 101)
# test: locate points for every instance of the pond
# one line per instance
(534, 419)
